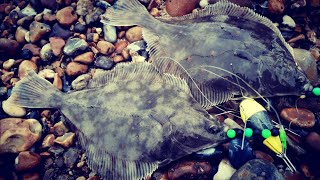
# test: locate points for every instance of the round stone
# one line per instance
(75, 69)
(299, 117)
(26, 54)
(12, 110)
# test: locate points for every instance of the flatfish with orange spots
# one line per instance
(130, 120)
(222, 51)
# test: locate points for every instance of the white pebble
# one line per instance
(47, 73)
(27, 36)
(203, 3)
(13, 110)
(225, 170)
(287, 20)
(110, 33)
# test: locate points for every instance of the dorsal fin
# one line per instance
(111, 167)
(137, 71)
(225, 7)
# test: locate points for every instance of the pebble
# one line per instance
(303, 118)
(110, 33)
(47, 73)
(80, 28)
(203, 3)
(155, 12)
(48, 141)
(119, 47)
(49, 17)
(26, 66)
(18, 134)
(66, 140)
(313, 140)
(288, 21)
(94, 17)
(58, 31)
(56, 44)
(264, 156)
(225, 170)
(12, 110)
(27, 160)
(185, 169)
(179, 8)
(20, 34)
(84, 7)
(25, 21)
(105, 47)
(118, 58)
(257, 169)
(46, 53)
(75, 69)
(66, 16)
(8, 48)
(31, 176)
(28, 11)
(93, 37)
(80, 82)
(276, 6)
(85, 58)
(134, 34)
(8, 64)
(70, 157)
(60, 129)
(36, 4)
(308, 64)
(37, 31)
(75, 46)
(33, 48)
(49, 4)
(81, 178)
(57, 82)
(6, 76)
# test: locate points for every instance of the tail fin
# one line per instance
(127, 13)
(35, 92)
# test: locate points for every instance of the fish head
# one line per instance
(284, 77)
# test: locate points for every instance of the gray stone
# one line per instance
(46, 53)
(104, 62)
(70, 157)
(110, 33)
(58, 31)
(257, 169)
(28, 11)
(75, 46)
(94, 16)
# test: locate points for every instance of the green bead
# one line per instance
(316, 91)
(266, 133)
(231, 133)
(248, 132)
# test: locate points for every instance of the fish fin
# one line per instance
(206, 97)
(139, 71)
(34, 91)
(111, 167)
(153, 45)
(127, 13)
(224, 7)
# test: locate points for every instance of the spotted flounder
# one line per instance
(221, 51)
(130, 120)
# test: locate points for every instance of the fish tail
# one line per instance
(127, 13)
(35, 92)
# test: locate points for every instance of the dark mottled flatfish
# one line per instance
(220, 51)
(130, 120)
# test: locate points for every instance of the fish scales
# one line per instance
(130, 120)
(221, 51)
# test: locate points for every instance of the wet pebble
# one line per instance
(94, 16)
(33, 48)
(298, 117)
(104, 62)
(18, 134)
(110, 33)
(8, 64)
(257, 169)
(313, 140)
(58, 31)
(66, 140)
(118, 58)
(70, 157)
(28, 11)
(276, 6)
(26, 66)
(225, 170)
(56, 44)
(85, 58)
(180, 8)
(66, 16)
(38, 30)
(48, 141)
(134, 34)
(105, 47)
(80, 28)
(8, 47)
(60, 128)
(46, 53)
(12, 110)
(75, 69)
(75, 46)
(20, 34)
(84, 7)
(26, 54)
(27, 160)
(47, 73)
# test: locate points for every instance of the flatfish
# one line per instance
(130, 120)
(222, 51)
